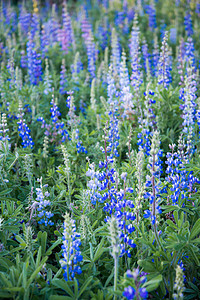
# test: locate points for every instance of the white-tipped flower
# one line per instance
(179, 284)
(114, 237)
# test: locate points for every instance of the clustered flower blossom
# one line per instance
(4, 129)
(43, 204)
(188, 24)
(150, 9)
(136, 76)
(112, 134)
(63, 79)
(136, 289)
(180, 181)
(71, 249)
(126, 97)
(164, 64)
(23, 129)
(34, 62)
(153, 183)
(147, 123)
(56, 129)
(103, 187)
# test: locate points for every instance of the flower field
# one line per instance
(99, 150)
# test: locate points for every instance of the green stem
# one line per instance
(116, 261)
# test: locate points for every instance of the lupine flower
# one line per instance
(103, 34)
(79, 146)
(71, 249)
(146, 59)
(45, 147)
(92, 95)
(179, 284)
(44, 41)
(172, 36)
(111, 88)
(86, 27)
(180, 181)
(150, 9)
(24, 20)
(188, 24)
(73, 122)
(189, 54)
(35, 26)
(56, 129)
(95, 186)
(113, 132)
(114, 237)
(197, 8)
(164, 65)
(136, 76)
(4, 129)
(63, 79)
(73, 119)
(140, 186)
(126, 97)
(181, 61)
(129, 293)
(188, 95)
(153, 183)
(147, 122)
(24, 62)
(66, 34)
(34, 62)
(53, 26)
(118, 202)
(47, 79)
(115, 54)
(18, 78)
(76, 67)
(103, 187)
(155, 58)
(11, 67)
(115, 246)
(91, 54)
(43, 204)
(23, 129)
(136, 279)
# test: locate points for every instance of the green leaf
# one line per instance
(13, 289)
(63, 285)
(100, 250)
(5, 192)
(75, 287)
(57, 297)
(147, 266)
(176, 217)
(39, 255)
(193, 255)
(35, 273)
(84, 286)
(49, 251)
(195, 230)
(20, 240)
(109, 278)
(42, 239)
(153, 284)
(5, 280)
